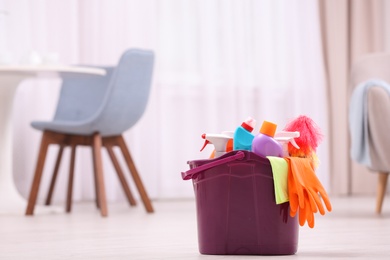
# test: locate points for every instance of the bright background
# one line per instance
(217, 62)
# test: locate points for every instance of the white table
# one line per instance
(10, 77)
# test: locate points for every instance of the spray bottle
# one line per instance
(219, 141)
(229, 145)
(242, 137)
(264, 143)
(285, 137)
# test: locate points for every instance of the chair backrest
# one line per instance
(80, 97)
(110, 104)
(127, 94)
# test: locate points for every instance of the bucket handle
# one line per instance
(192, 173)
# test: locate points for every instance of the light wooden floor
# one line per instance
(351, 231)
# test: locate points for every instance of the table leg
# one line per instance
(10, 199)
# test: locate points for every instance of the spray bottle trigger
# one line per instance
(292, 141)
(206, 142)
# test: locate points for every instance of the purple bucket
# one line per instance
(236, 209)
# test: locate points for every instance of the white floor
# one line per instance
(352, 230)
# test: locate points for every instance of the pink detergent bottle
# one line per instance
(264, 143)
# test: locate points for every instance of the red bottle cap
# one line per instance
(249, 124)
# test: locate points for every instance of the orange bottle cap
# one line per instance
(268, 128)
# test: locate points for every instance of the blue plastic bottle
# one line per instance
(264, 144)
(242, 137)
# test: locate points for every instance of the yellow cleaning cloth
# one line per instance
(279, 171)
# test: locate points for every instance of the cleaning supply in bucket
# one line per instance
(264, 144)
(309, 139)
(280, 165)
(243, 137)
(279, 173)
(284, 138)
(220, 142)
(305, 190)
(229, 145)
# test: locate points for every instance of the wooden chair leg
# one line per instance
(96, 189)
(97, 199)
(38, 174)
(70, 180)
(98, 169)
(381, 190)
(54, 177)
(121, 176)
(135, 175)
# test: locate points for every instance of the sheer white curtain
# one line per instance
(217, 62)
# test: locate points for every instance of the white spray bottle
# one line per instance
(285, 137)
(218, 140)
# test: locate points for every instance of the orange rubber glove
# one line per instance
(305, 190)
(307, 213)
(307, 210)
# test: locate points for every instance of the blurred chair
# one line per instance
(367, 69)
(95, 111)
